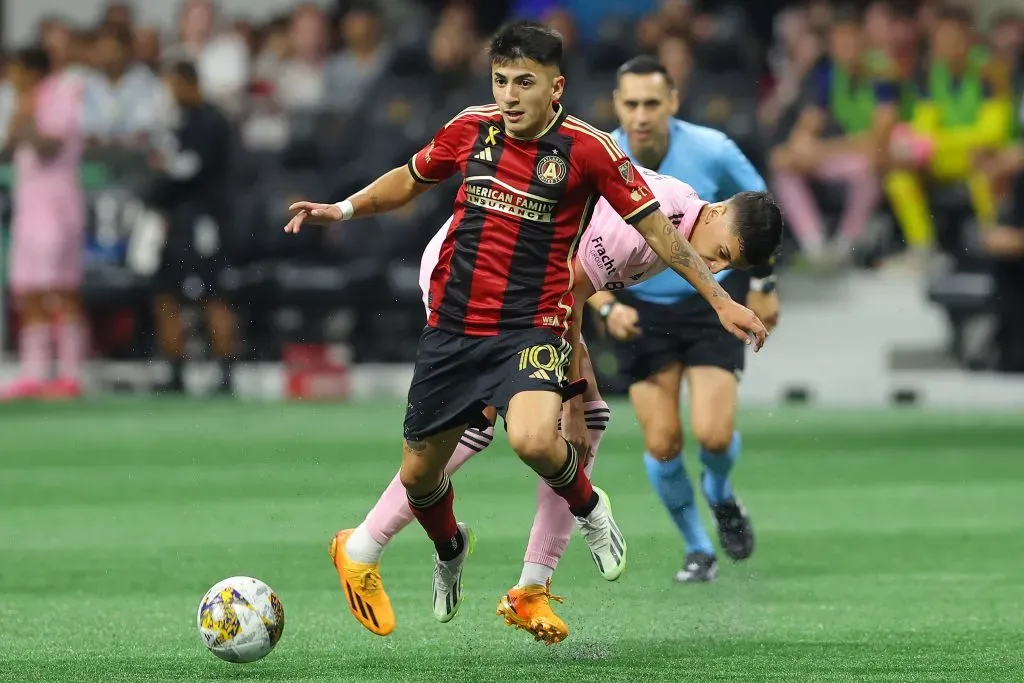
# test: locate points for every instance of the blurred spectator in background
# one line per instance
(192, 192)
(123, 103)
(1006, 245)
(273, 52)
(648, 34)
(55, 36)
(797, 50)
(118, 16)
(674, 54)
(300, 83)
(146, 47)
(959, 112)
(222, 59)
(839, 138)
(48, 227)
(362, 62)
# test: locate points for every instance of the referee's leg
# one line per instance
(714, 396)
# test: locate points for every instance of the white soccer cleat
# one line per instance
(607, 546)
(448, 579)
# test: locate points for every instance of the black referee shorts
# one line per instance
(456, 376)
(688, 333)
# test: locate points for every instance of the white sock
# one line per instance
(362, 547)
(534, 574)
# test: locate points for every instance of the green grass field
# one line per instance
(890, 549)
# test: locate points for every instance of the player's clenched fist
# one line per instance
(311, 212)
(743, 322)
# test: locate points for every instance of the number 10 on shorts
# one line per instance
(546, 362)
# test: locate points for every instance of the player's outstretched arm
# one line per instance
(391, 191)
(669, 245)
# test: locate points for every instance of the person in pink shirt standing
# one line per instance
(48, 228)
(612, 255)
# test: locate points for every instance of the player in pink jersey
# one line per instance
(48, 226)
(611, 256)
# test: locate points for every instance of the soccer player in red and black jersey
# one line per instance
(500, 302)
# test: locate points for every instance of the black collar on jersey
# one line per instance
(560, 115)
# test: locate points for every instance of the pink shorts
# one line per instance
(47, 260)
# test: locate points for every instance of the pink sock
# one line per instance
(553, 523)
(72, 340)
(34, 352)
(863, 196)
(391, 514)
(800, 209)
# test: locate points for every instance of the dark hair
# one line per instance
(362, 7)
(526, 40)
(186, 71)
(644, 65)
(959, 15)
(757, 225)
(121, 34)
(847, 14)
(34, 59)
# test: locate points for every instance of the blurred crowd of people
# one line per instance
(897, 101)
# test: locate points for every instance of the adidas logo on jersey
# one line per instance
(484, 155)
(541, 374)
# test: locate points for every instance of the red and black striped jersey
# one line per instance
(506, 262)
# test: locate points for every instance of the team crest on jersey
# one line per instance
(626, 171)
(552, 170)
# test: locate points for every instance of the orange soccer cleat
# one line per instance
(364, 589)
(529, 608)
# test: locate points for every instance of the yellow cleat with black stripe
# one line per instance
(363, 587)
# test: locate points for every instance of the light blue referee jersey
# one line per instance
(708, 161)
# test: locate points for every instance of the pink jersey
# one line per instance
(49, 205)
(47, 193)
(614, 255)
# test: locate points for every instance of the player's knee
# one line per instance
(714, 437)
(532, 443)
(417, 478)
(416, 474)
(664, 443)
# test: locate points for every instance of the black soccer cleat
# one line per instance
(735, 532)
(698, 568)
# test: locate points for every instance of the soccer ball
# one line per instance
(240, 619)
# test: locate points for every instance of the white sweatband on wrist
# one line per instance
(346, 209)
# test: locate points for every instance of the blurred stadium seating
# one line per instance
(335, 94)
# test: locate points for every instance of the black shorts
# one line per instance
(677, 334)
(193, 257)
(456, 376)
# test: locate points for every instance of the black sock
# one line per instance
(449, 550)
(227, 368)
(177, 383)
(588, 508)
(565, 478)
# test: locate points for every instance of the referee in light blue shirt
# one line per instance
(665, 334)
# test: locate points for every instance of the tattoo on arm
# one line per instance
(375, 202)
(683, 255)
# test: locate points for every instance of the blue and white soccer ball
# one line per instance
(240, 619)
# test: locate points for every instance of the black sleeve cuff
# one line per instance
(643, 212)
(411, 164)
